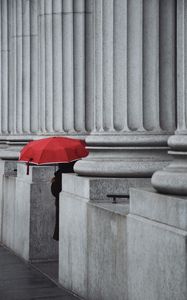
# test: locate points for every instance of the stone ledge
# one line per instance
(96, 189)
(167, 209)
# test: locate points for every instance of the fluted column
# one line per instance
(19, 31)
(63, 55)
(173, 179)
(4, 66)
(134, 88)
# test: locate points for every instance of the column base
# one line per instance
(173, 179)
(124, 156)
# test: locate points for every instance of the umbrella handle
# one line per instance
(28, 164)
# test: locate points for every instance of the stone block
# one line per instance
(93, 240)
(35, 214)
(157, 258)
(73, 244)
(157, 253)
(167, 209)
(97, 188)
(7, 201)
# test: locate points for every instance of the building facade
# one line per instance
(112, 72)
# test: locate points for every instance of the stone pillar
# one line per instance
(34, 110)
(4, 66)
(8, 173)
(34, 214)
(63, 52)
(173, 179)
(134, 101)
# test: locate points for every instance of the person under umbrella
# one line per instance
(52, 151)
(56, 188)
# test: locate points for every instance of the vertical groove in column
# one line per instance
(98, 118)
(68, 80)
(57, 66)
(18, 39)
(4, 66)
(26, 66)
(135, 64)
(181, 65)
(89, 65)
(14, 9)
(48, 66)
(10, 69)
(42, 54)
(167, 64)
(79, 64)
(185, 64)
(151, 108)
(108, 65)
(0, 65)
(34, 66)
(120, 65)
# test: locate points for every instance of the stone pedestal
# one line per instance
(8, 173)
(93, 239)
(35, 214)
(157, 255)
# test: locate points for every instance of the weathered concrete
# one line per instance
(92, 256)
(8, 174)
(157, 255)
(93, 239)
(173, 179)
(170, 210)
(96, 188)
(35, 214)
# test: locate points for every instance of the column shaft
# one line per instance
(130, 104)
(26, 65)
(57, 67)
(173, 179)
(42, 67)
(34, 66)
(68, 77)
(79, 64)
(4, 66)
(48, 66)
(19, 62)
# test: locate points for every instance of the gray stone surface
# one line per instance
(27, 211)
(156, 260)
(157, 236)
(92, 256)
(35, 214)
(131, 104)
(96, 189)
(167, 209)
(7, 201)
(173, 179)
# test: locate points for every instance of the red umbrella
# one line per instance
(53, 150)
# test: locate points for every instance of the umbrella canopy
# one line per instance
(53, 150)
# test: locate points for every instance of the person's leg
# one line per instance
(56, 231)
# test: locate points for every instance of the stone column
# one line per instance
(134, 101)
(74, 54)
(4, 66)
(34, 110)
(173, 179)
